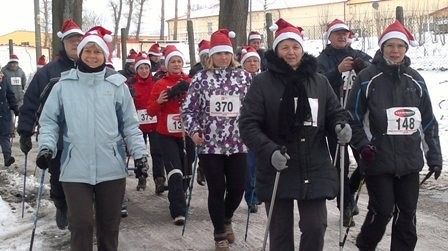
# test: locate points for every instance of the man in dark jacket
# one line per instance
(7, 103)
(70, 36)
(340, 63)
(392, 122)
(292, 105)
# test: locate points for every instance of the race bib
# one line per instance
(16, 81)
(403, 120)
(348, 78)
(174, 123)
(144, 118)
(225, 105)
(314, 106)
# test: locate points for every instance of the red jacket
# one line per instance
(168, 113)
(142, 90)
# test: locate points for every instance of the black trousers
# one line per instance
(226, 175)
(312, 224)
(102, 200)
(390, 196)
(177, 166)
(56, 189)
(156, 154)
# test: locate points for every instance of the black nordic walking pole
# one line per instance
(24, 185)
(190, 191)
(36, 213)
(341, 195)
(271, 207)
(347, 230)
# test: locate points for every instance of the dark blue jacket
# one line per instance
(7, 102)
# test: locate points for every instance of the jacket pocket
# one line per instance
(65, 159)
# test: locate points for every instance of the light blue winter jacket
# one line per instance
(95, 111)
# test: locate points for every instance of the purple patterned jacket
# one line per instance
(212, 108)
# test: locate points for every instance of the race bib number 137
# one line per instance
(174, 123)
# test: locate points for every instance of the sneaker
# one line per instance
(179, 220)
(124, 210)
(229, 232)
(61, 217)
(9, 161)
(160, 185)
(222, 245)
(253, 208)
(200, 177)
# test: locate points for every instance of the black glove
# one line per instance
(43, 158)
(178, 89)
(358, 65)
(368, 154)
(141, 168)
(25, 143)
(437, 170)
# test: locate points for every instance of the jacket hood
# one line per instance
(394, 70)
(308, 65)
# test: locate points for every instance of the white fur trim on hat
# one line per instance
(62, 35)
(220, 48)
(172, 54)
(130, 60)
(248, 55)
(393, 34)
(143, 61)
(204, 51)
(13, 60)
(255, 36)
(155, 54)
(337, 27)
(287, 35)
(96, 39)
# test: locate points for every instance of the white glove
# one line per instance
(344, 133)
(278, 160)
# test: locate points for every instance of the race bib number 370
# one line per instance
(225, 105)
(403, 120)
(174, 123)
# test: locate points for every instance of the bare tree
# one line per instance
(140, 6)
(230, 9)
(130, 4)
(162, 21)
(90, 19)
(176, 5)
(45, 21)
(60, 10)
(117, 9)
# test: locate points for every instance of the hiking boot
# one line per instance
(124, 210)
(222, 245)
(355, 210)
(160, 185)
(61, 217)
(179, 220)
(141, 183)
(200, 177)
(229, 232)
(9, 161)
(253, 208)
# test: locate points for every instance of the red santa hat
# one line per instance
(98, 35)
(284, 30)
(69, 27)
(13, 58)
(132, 56)
(254, 35)
(336, 25)
(155, 50)
(142, 58)
(204, 47)
(220, 41)
(397, 30)
(171, 51)
(247, 52)
(41, 61)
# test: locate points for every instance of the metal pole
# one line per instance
(37, 34)
(271, 208)
(341, 196)
(24, 185)
(36, 213)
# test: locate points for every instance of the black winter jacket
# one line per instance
(31, 102)
(330, 58)
(8, 102)
(399, 91)
(310, 174)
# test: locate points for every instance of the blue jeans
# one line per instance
(249, 190)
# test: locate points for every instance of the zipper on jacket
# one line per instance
(115, 154)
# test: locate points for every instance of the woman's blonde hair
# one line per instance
(96, 46)
(210, 66)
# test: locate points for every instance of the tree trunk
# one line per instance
(46, 22)
(230, 9)
(176, 4)
(162, 21)
(131, 9)
(139, 21)
(116, 9)
(61, 10)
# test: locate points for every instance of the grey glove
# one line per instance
(343, 133)
(279, 160)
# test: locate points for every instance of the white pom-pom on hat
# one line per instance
(273, 27)
(107, 38)
(244, 51)
(232, 34)
(59, 34)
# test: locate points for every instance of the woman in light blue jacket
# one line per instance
(94, 110)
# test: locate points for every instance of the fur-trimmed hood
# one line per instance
(307, 68)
